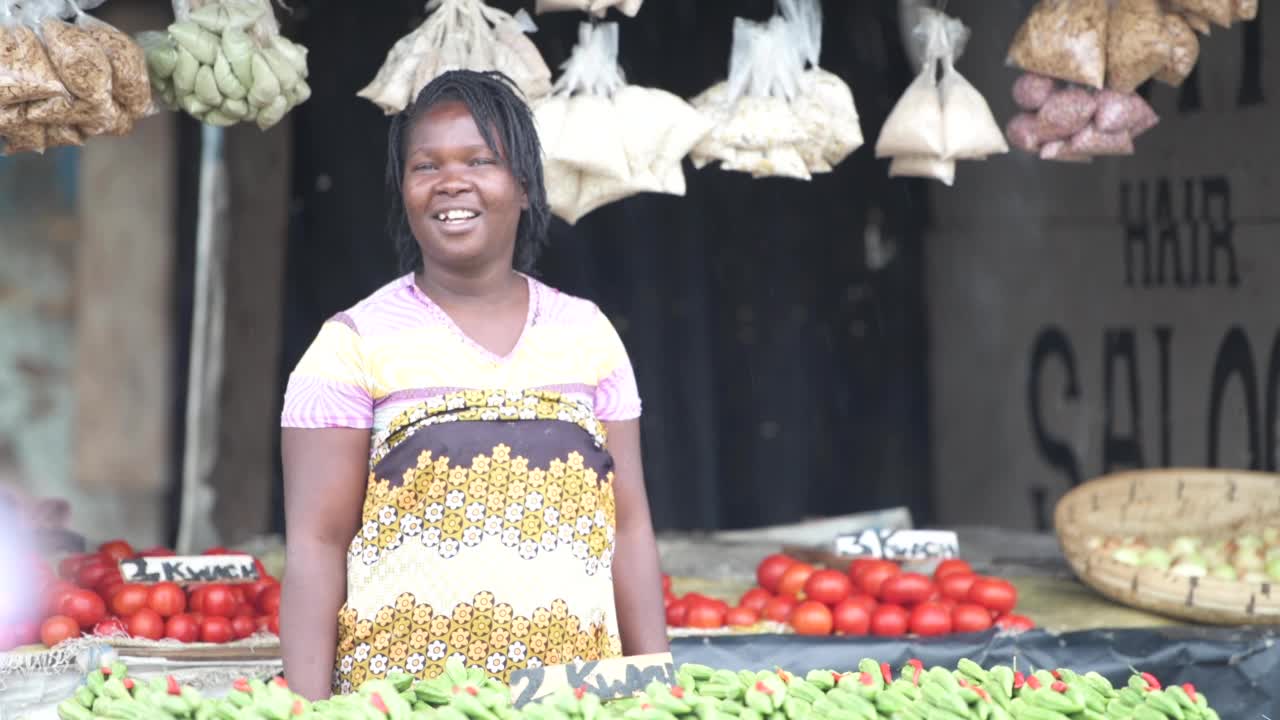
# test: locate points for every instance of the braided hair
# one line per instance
(495, 105)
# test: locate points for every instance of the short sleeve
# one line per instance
(330, 387)
(617, 396)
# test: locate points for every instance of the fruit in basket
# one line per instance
(794, 579)
(1248, 557)
(183, 628)
(770, 570)
(57, 629)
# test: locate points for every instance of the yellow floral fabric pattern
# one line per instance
(488, 534)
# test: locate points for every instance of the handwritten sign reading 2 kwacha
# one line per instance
(608, 679)
(189, 570)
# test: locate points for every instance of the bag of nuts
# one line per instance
(1138, 43)
(26, 73)
(1064, 39)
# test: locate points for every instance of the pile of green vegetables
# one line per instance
(226, 63)
(702, 693)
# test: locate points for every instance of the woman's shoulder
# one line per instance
(559, 307)
(390, 307)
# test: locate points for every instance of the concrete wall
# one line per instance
(1084, 319)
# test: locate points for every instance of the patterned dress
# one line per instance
(488, 522)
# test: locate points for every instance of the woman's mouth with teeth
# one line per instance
(450, 216)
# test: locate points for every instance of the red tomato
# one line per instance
(1014, 622)
(851, 617)
(755, 599)
(667, 599)
(770, 570)
(245, 610)
(55, 593)
(704, 615)
(676, 612)
(906, 589)
(111, 627)
(812, 617)
(241, 593)
(970, 618)
(108, 589)
(129, 599)
(273, 625)
(779, 608)
(146, 623)
(828, 586)
(693, 598)
(167, 599)
(666, 582)
(866, 602)
(216, 630)
(955, 586)
(994, 594)
(951, 565)
(183, 628)
(872, 578)
(262, 622)
(116, 550)
(859, 566)
(57, 629)
(793, 580)
(930, 619)
(218, 601)
(741, 617)
(195, 598)
(93, 571)
(84, 606)
(243, 626)
(890, 621)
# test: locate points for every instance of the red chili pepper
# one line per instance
(1058, 686)
(280, 682)
(1033, 682)
(784, 676)
(887, 672)
(297, 707)
(835, 677)
(982, 694)
(866, 679)
(128, 683)
(676, 692)
(472, 691)
(376, 701)
(581, 692)
(761, 687)
(174, 687)
(1056, 675)
(242, 685)
(919, 668)
(963, 683)
(106, 670)
(1190, 690)
(1152, 682)
(646, 706)
(1019, 680)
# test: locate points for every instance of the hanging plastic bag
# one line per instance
(599, 8)
(1064, 39)
(26, 72)
(459, 34)
(915, 126)
(1137, 43)
(924, 166)
(1030, 91)
(1093, 142)
(79, 60)
(225, 62)
(1060, 151)
(1066, 112)
(130, 84)
(1124, 113)
(969, 130)
(1023, 132)
(1184, 51)
(778, 114)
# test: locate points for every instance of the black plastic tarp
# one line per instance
(1238, 670)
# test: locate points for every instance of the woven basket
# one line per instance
(1157, 506)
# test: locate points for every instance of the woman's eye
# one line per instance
(482, 161)
(424, 167)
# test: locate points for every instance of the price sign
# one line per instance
(608, 679)
(900, 544)
(189, 570)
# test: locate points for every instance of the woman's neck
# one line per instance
(449, 288)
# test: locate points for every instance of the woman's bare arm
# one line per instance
(637, 579)
(325, 473)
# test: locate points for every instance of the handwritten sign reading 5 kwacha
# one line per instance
(190, 569)
(607, 679)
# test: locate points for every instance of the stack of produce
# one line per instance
(630, 8)
(872, 692)
(459, 34)
(89, 595)
(1076, 124)
(937, 122)
(779, 114)
(225, 62)
(605, 140)
(63, 82)
(1248, 558)
(873, 597)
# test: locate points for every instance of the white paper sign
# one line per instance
(900, 544)
(190, 569)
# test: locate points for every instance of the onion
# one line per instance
(1271, 535)
(1273, 569)
(1128, 556)
(1248, 542)
(1247, 560)
(1184, 545)
(1189, 569)
(1157, 558)
(1224, 572)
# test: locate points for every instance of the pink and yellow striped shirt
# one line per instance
(397, 348)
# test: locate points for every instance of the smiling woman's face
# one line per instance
(463, 203)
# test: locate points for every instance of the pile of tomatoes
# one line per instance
(88, 595)
(873, 597)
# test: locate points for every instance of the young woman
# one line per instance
(461, 448)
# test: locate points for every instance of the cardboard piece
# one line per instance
(189, 570)
(608, 679)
